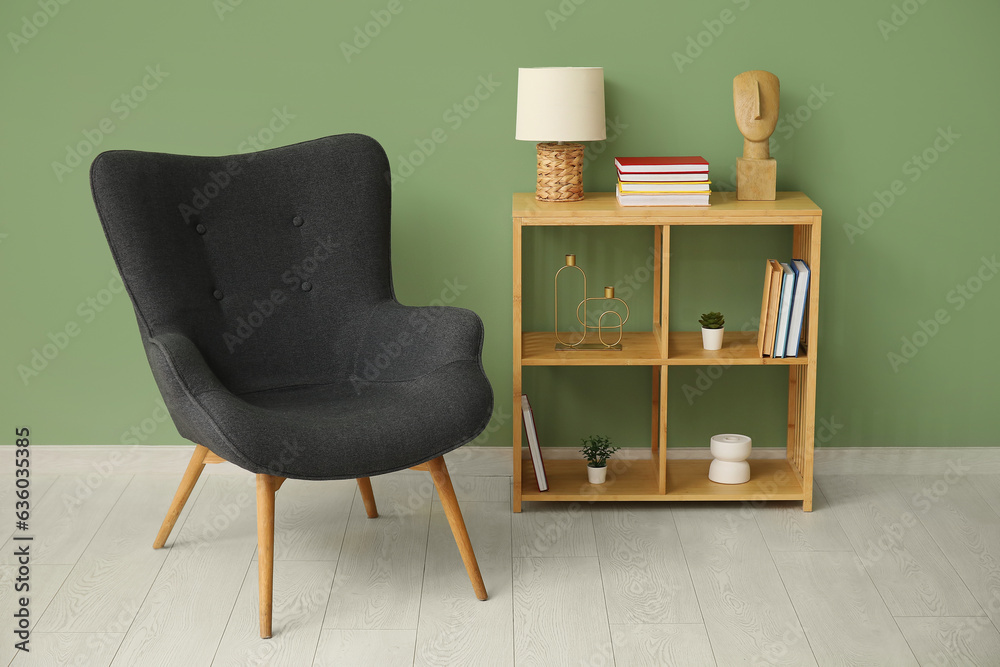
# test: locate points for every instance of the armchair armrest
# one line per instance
(405, 342)
(179, 367)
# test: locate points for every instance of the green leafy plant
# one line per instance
(712, 320)
(597, 449)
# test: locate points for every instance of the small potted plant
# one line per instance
(597, 449)
(712, 328)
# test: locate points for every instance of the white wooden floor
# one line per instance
(888, 570)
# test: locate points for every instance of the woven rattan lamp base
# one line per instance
(560, 172)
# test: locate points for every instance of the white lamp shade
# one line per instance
(560, 104)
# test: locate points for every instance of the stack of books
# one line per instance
(662, 181)
(783, 308)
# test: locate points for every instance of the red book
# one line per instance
(664, 165)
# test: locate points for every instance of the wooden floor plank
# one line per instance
(840, 609)
(187, 608)
(49, 649)
(470, 489)
(554, 530)
(559, 613)
(310, 518)
(107, 585)
(66, 518)
(380, 571)
(385, 648)
(965, 528)
(662, 645)
(908, 568)
(645, 575)
(301, 593)
(971, 640)
(43, 582)
(747, 613)
(988, 487)
(455, 627)
(786, 527)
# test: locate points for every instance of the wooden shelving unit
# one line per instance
(658, 478)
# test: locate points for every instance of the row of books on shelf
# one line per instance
(783, 308)
(662, 181)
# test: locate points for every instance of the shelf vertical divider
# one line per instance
(809, 388)
(662, 305)
(517, 386)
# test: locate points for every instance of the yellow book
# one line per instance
(648, 188)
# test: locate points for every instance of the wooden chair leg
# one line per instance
(439, 472)
(368, 496)
(265, 548)
(191, 475)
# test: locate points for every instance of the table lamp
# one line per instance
(557, 105)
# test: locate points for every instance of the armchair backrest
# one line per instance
(269, 262)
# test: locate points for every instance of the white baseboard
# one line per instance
(496, 461)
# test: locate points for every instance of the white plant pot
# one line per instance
(711, 339)
(597, 475)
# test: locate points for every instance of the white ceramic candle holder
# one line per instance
(729, 464)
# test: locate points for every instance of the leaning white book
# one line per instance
(533, 447)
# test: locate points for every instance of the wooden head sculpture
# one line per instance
(756, 97)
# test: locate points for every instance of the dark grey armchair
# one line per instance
(263, 290)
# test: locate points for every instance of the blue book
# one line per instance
(784, 310)
(798, 306)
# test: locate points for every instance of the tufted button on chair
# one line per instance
(281, 347)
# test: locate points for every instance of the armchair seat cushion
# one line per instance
(356, 429)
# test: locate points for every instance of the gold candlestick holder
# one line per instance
(609, 295)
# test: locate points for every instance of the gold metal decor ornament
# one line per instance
(609, 295)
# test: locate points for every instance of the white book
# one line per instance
(662, 200)
(672, 177)
(798, 307)
(536, 451)
(784, 310)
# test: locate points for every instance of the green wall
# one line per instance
(865, 87)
